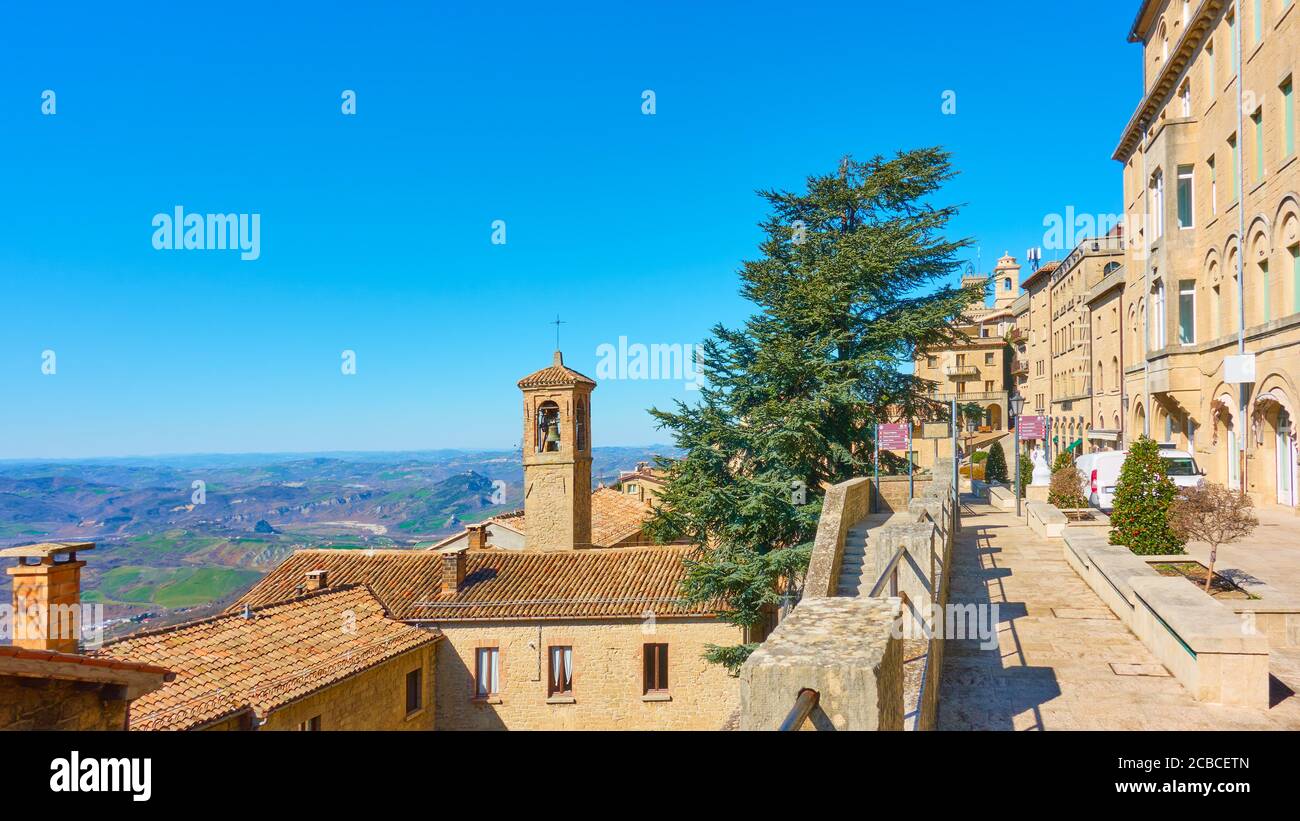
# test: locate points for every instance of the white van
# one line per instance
(1102, 470)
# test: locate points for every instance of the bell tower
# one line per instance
(557, 458)
(1006, 281)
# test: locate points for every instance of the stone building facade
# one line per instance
(1210, 239)
(977, 369)
(608, 688)
(1060, 336)
(1211, 180)
(49, 690)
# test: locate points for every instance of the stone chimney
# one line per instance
(317, 580)
(477, 536)
(453, 571)
(47, 595)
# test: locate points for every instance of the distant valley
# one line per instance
(167, 549)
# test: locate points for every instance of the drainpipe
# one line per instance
(1244, 388)
(1122, 376)
(1146, 296)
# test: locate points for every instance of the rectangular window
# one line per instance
(487, 667)
(1295, 279)
(1158, 316)
(414, 691)
(310, 725)
(1259, 21)
(1232, 42)
(988, 386)
(1214, 188)
(655, 667)
(1288, 114)
(1209, 66)
(560, 680)
(1268, 288)
(988, 359)
(1185, 196)
(1187, 312)
(1258, 119)
(1158, 205)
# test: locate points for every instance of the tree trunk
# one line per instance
(1209, 576)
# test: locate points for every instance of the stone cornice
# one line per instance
(1165, 83)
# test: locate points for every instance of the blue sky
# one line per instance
(376, 229)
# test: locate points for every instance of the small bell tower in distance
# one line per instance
(557, 458)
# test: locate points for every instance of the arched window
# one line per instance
(1114, 369)
(548, 427)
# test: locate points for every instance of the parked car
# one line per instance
(1102, 472)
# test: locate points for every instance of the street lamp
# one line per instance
(1017, 405)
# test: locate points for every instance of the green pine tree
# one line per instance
(848, 286)
(996, 469)
(1026, 473)
(1143, 499)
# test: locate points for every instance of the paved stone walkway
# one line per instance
(1267, 561)
(1057, 643)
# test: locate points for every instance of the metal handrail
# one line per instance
(890, 575)
(804, 704)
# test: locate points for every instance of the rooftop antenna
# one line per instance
(1035, 256)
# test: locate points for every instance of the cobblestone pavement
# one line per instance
(1059, 648)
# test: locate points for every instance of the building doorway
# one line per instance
(1286, 459)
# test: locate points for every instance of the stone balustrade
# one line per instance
(843, 648)
(849, 647)
(845, 504)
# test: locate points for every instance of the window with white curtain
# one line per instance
(560, 680)
(487, 668)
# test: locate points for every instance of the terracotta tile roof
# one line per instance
(555, 375)
(1046, 269)
(8, 651)
(642, 474)
(398, 578)
(229, 664)
(504, 584)
(616, 516)
(514, 520)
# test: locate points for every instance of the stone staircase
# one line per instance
(854, 579)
